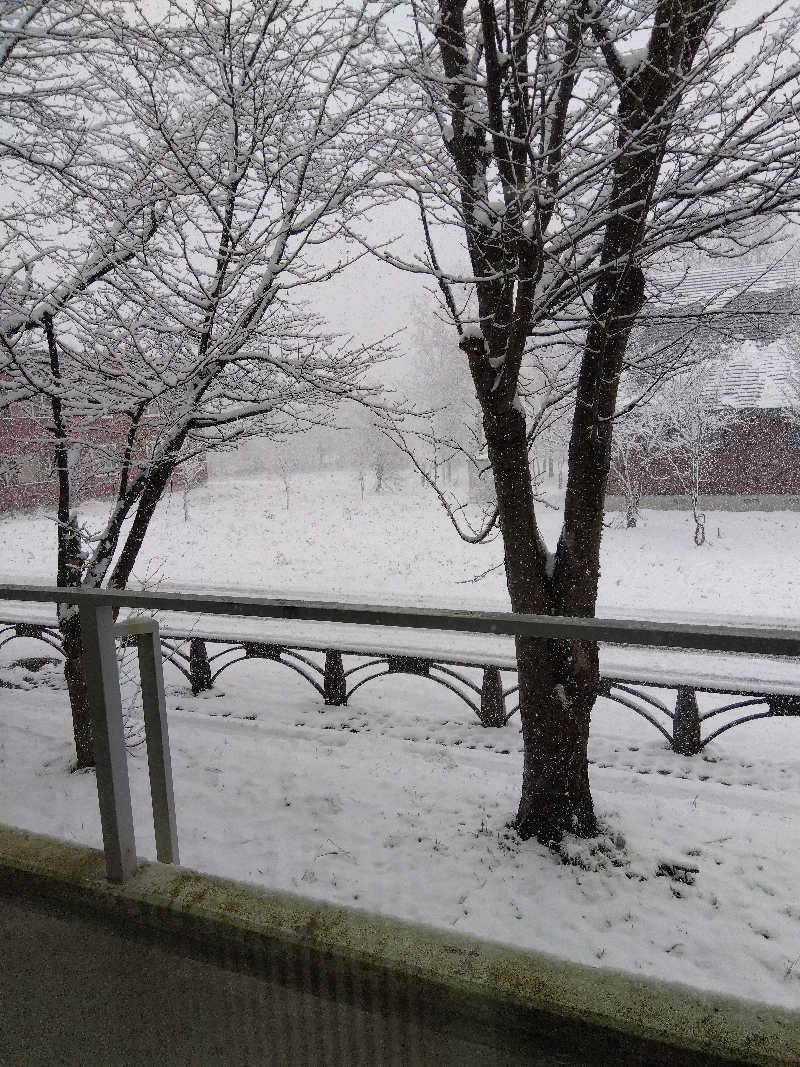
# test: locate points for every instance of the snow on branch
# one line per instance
(218, 153)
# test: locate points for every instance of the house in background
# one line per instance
(27, 463)
(743, 326)
(27, 473)
(760, 449)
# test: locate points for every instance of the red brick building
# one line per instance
(27, 475)
(754, 345)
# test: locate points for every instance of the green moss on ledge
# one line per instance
(464, 976)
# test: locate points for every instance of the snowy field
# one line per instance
(399, 544)
(399, 802)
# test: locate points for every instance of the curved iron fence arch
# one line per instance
(279, 659)
(331, 679)
(769, 714)
(431, 677)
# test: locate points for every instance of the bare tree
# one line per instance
(632, 449)
(670, 442)
(189, 475)
(284, 471)
(690, 427)
(375, 458)
(445, 407)
(47, 89)
(574, 147)
(446, 427)
(239, 139)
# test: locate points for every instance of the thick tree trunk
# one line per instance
(558, 680)
(632, 510)
(558, 685)
(72, 644)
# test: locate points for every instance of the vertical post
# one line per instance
(493, 702)
(157, 736)
(686, 723)
(113, 788)
(199, 667)
(335, 683)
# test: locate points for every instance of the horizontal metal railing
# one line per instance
(711, 636)
(99, 631)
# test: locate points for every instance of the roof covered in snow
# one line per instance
(745, 319)
(729, 281)
(734, 302)
(759, 376)
(750, 375)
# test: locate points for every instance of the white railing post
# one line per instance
(105, 703)
(154, 706)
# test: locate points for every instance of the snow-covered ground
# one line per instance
(400, 545)
(399, 802)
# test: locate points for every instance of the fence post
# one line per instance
(686, 723)
(199, 667)
(157, 736)
(493, 702)
(151, 676)
(335, 683)
(113, 788)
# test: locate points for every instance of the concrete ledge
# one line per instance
(499, 995)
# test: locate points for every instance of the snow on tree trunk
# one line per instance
(619, 149)
(558, 680)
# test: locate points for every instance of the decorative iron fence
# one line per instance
(330, 679)
(335, 673)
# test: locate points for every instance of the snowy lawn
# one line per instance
(399, 802)
(399, 544)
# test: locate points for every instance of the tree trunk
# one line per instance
(72, 645)
(558, 680)
(69, 571)
(558, 686)
(632, 510)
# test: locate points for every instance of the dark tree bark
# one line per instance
(71, 563)
(558, 680)
(72, 571)
(72, 646)
(69, 571)
(199, 666)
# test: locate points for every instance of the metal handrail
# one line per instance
(102, 674)
(712, 636)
